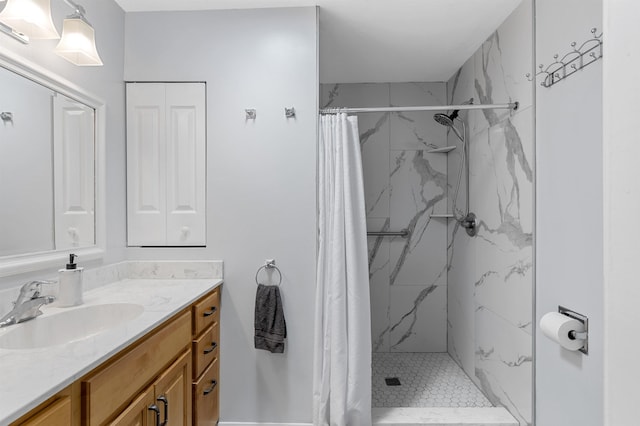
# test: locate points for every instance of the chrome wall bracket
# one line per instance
(578, 335)
(250, 114)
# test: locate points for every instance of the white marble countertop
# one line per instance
(30, 376)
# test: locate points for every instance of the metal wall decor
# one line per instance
(588, 52)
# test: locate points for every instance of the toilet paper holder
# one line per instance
(578, 335)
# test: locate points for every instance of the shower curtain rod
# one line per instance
(512, 105)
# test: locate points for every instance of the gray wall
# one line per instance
(490, 298)
(261, 182)
(569, 252)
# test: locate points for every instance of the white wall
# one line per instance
(621, 202)
(105, 82)
(261, 182)
(569, 267)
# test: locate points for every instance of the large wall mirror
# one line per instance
(50, 146)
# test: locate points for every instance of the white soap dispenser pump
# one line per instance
(70, 280)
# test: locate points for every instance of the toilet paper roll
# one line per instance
(557, 326)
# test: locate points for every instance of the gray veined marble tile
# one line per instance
(354, 95)
(501, 185)
(504, 364)
(418, 319)
(379, 285)
(416, 130)
(418, 183)
(501, 66)
(374, 146)
(460, 87)
(461, 302)
(374, 137)
(503, 284)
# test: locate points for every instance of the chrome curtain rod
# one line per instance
(512, 105)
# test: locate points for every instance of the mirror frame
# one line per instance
(29, 262)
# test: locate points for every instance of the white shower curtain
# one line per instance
(342, 356)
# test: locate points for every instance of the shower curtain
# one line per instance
(342, 355)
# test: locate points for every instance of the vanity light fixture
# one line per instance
(30, 18)
(78, 42)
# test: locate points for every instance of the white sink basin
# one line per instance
(68, 326)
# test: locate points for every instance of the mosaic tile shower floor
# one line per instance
(427, 380)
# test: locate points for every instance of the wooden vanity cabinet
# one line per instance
(206, 364)
(106, 392)
(177, 363)
(168, 399)
(57, 414)
(137, 413)
(173, 392)
(62, 409)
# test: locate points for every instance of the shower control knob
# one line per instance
(470, 223)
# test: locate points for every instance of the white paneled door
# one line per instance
(74, 159)
(166, 175)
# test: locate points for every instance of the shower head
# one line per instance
(446, 120)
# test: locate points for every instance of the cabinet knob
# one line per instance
(155, 409)
(185, 230)
(210, 389)
(164, 400)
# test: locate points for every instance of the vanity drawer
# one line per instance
(205, 349)
(205, 397)
(108, 391)
(206, 312)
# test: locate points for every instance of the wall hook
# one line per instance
(290, 112)
(251, 114)
(6, 116)
(577, 58)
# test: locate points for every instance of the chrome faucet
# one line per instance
(27, 305)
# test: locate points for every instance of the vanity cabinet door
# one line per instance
(138, 412)
(173, 392)
(57, 414)
(166, 162)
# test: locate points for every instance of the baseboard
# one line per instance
(261, 424)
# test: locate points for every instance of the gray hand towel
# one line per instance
(269, 323)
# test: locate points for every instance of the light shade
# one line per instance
(78, 43)
(30, 17)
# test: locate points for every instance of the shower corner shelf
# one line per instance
(443, 150)
(443, 215)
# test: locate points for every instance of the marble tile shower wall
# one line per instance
(404, 185)
(490, 277)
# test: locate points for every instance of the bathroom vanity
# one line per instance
(157, 366)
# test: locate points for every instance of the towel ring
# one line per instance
(269, 266)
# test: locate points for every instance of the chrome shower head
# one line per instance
(446, 120)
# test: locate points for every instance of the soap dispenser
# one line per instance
(70, 280)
